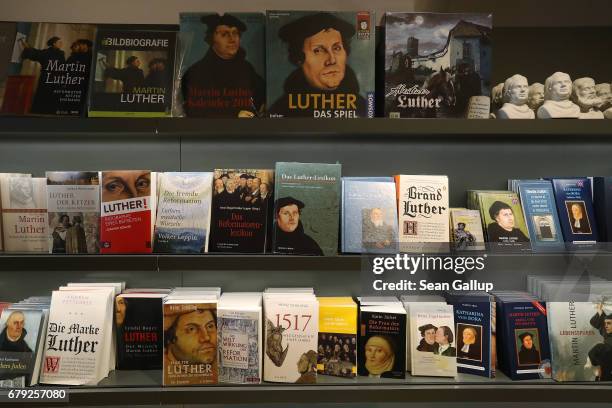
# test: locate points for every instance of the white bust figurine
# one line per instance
(496, 98)
(536, 96)
(585, 96)
(604, 92)
(557, 104)
(516, 93)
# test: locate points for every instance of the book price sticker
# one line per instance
(32, 395)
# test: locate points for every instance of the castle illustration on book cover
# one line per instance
(435, 62)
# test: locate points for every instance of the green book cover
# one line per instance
(306, 210)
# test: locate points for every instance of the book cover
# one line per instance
(223, 71)
(8, 31)
(73, 205)
(503, 220)
(128, 211)
(50, 69)
(140, 331)
(183, 212)
(436, 63)
(4, 176)
(320, 64)
(423, 212)
(190, 343)
(602, 202)
(381, 345)
(538, 202)
(369, 216)
(433, 340)
(306, 210)
(575, 208)
(134, 73)
(241, 205)
(580, 337)
(291, 331)
(466, 229)
(337, 350)
(24, 214)
(20, 331)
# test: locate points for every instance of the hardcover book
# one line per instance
(320, 64)
(8, 30)
(423, 212)
(223, 71)
(50, 69)
(337, 350)
(241, 204)
(466, 229)
(134, 73)
(5, 176)
(183, 212)
(575, 208)
(538, 202)
(127, 217)
(24, 214)
(369, 215)
(306, 210)
(73, 205)
(436, 64)
(292, 326)
(602, 202)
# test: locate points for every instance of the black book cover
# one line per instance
(381, 344)
(602, 201)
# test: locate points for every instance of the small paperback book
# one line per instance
(134, 73)
(575, 207)
(241, 205)
(73, 205)
(423, 213)
(240, 338)
(320, 64)
(183, 212)
(337, 350)
(128, 211)
(223, 70)
(291, 327)
(306, 210)
(466, 230)
(369, 215)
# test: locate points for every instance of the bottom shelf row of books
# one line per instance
(197, 336)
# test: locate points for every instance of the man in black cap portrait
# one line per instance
(319, 45)
(428, 342)
(528, 354)
(223, 83)
(503, 229)
(289, 231)
(131, 76)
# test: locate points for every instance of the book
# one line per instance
(381, 342)
(127, 217)
(242, 201)
(423, 212)
(291, 331)
(306, 210)
(8, 31)
(133, 72)
(337, 349)
(24, 214)
(602, 200)
(369, 215)
(240, 338)
(183, 212)
(538, 202)
(50, 69)
(5, 176)
(575, 208)
(139, 331)
(190, 340)
(223, 70)
(320, 64)
(466, 229)
(437, 323)
(436, 64)
(73, 206)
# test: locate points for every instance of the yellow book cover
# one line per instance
(337, 348)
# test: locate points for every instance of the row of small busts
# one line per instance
(557, 98)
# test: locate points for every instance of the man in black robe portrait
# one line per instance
(223, 83)
(319, 45)
(12, 337)
(503, 229)
(131, 76)
(289, 231)
(528, 354)
(158, 74)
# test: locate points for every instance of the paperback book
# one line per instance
(466, 230)
(575, 209)
(337, 350)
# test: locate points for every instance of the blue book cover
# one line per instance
(575, 207)
(538, 201)
(369, 216)
(602, 201)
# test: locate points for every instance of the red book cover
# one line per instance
(128, 211)
(18, 94)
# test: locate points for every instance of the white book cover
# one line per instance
(76, 336)
(4, 176)
(423, 211)
(409, 345)
(24, 214)
(432, 338)
(291, 327)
